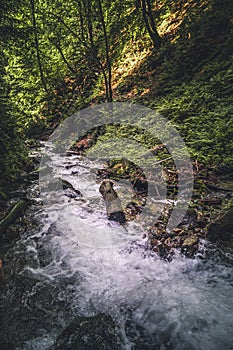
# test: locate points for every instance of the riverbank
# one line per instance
(211, 198)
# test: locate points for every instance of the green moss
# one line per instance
(202, 111)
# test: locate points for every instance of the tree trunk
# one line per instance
(37, 45)
(109, 68)
(81, 21)
(89, 26)
(150, 23)
(59, 49)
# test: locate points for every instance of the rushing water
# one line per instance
(77, 263)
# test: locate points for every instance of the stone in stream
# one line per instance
(222, 229)
(68, 186)
(112, 202)
(89, 333)
(190, 245)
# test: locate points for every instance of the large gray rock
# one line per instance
(89, 333)
(222, 228)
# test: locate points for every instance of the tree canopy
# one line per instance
(60, 56)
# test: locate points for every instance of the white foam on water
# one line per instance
(184, 304)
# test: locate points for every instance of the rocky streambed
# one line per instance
(75, 280)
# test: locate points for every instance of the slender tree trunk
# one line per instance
(81, 21)
(37, 45)
(88, 14)
(89, 25)
(59, 49)
(150, 23)
(109, 68)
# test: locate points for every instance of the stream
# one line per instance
(74, 262)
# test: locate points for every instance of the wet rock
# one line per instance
(190, 241)
(118, 216)
(112, 202)
(190, 245)
(222, 228)
(73, 191)
(139, 338)
(89, 333)
(44, 255)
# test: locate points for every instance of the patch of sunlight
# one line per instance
(133, 55)
(173, 19)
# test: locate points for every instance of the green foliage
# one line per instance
(12, 152)
(202, 110)
(56, 61)
(194, 81)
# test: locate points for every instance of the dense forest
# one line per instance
(60, 56)
(87, 266)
